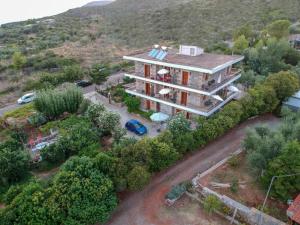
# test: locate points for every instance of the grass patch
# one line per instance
(22, 112)
(144, 114)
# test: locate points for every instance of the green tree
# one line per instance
(162, 155)
(19, 60)
(72, 73)
(178, 125)
(138, 178)
(107, 122)
(240, 44)
(14, 161)
(94, 111)
(132, 103)
(245, 31)
(285, 84)
(99, 73)
(26, 207)
(82, 193)
(279, 29)
(287, 163)
(268, 57)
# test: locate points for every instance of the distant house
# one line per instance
(293, 102)
(294, 40)
(293, 212)
(187, 80)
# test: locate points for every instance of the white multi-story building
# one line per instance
(189, 80)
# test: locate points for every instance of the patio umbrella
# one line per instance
(233, 88)
(163, 72)
(159, 117)
(219, 79)
(164, 91)
(218, 98)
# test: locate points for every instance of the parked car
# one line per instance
(83, 83)
(40, 146)
(136, 127)
(26, 98)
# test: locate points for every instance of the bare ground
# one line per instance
(249, 191)
(147, 206)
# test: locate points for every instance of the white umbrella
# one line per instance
(159, 117)
(233, 88)
(164, 91)
(219, 79)
(218, 98)
(163, 72)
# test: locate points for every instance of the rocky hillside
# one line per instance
(124, 25)
(97, 3)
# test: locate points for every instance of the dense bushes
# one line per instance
(132, 103)
(78, 194)
(53, 103)
(46, 80)
(260, 99)
(14, 161)
(77, 138)
(275, 153)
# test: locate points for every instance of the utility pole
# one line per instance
(269, 190)
(271, 183)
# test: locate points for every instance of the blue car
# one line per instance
(136, 127)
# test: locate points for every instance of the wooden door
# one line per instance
(185, 78)
(148, 89)
(188, 115)
(147, 70)
(183, 98)
(148, 104)
(157, 107)
(206, 76)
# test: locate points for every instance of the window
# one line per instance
(192, 51)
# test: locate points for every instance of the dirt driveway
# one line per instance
(147, 208)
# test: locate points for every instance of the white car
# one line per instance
(26, 98)
(40, 146)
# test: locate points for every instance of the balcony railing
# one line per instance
(206, 109)
(207, 89)
(213, 84)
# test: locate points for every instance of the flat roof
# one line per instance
(206, 62)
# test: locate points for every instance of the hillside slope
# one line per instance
(130, 24)
(197, 21)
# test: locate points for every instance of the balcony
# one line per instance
(208, 108)
(207, 89)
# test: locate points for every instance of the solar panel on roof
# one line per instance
(159, 54)
(154, 53)
(163, 56)
(151, 52)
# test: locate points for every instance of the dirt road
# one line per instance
(146, 207)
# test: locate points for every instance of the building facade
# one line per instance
(190, 80)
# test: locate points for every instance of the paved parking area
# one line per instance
(125, 116)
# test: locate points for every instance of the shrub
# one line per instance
(132, 103)
(14, 161)
(53, 103)
(211, 204)
(178, 125)
(234, 185)
(233, 161)
(138, 178)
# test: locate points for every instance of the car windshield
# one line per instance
(137, 125)
(26, 96)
